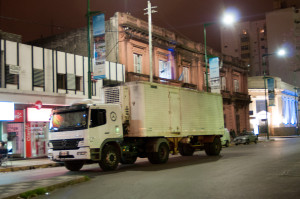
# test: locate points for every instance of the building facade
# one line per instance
(282, 110)
(178, 61)
(251, 40)
(36, 80)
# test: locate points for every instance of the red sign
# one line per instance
(19, 116)
(28, 139)
(38, 105)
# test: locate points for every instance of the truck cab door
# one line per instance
(101, 127)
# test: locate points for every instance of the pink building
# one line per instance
(177, 61)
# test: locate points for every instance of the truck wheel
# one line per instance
(185, 149)
(110, 158)
(128, 159)
(75, 165)
(161, 156)
(214, 148)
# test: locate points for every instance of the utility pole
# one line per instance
(89, 51)
(150, 11)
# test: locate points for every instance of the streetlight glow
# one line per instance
(281, 52)
(228, 19)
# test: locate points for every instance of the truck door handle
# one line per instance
(106, 132)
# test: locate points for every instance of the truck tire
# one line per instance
(185, 149)
(128, 159)
(214, 148)
(75, 165)
(110, 158)
(161, 156)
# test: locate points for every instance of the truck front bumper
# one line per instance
(63, 155)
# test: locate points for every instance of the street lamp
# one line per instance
(281, 53)
(227, 19)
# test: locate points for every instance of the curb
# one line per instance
(22, 168)
(48, 188)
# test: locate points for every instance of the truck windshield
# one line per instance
(65, 121)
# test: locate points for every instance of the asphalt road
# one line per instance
(263, 170)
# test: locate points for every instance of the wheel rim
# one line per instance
(111, 158)
(162, 152)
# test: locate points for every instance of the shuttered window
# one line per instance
(10, 78)
(38, 77)
(137, 58)
(71, 81)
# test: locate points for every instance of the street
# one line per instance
(263, 170)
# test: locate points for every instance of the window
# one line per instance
(11, 77)
(137, 61)
(236, 85)
(165, 69)
(98, 117)
(61, 81)
(38, 77)
(245, 47)
(186, 74)
(244, 32)
(245, 55)
(79, 83)
(71, 83)
(260, 106)
(223, 83)
(244, 39)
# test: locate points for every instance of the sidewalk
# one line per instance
(13, 192)
(27, 164)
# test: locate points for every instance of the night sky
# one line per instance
(34, 19)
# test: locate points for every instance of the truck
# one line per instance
(137, 120)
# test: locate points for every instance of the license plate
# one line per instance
(64, 153)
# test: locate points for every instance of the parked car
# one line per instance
(246, 138)
(225, 140)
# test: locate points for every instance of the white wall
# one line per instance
(52, 62)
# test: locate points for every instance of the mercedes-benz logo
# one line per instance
(113, 116)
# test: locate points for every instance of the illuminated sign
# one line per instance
(41, 115)
(7, 112)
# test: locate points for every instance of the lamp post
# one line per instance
(227, 19)
(281, 53)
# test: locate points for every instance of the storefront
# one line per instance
(26, 134)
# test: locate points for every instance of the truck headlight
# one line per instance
(50, 145)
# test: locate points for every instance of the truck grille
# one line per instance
(112, 95)
(66, 144)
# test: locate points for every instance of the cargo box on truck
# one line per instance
(138, 119)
